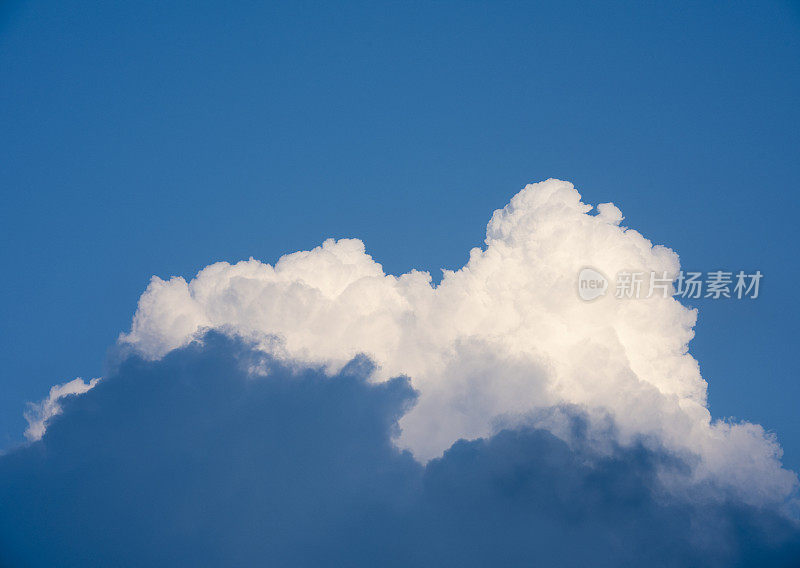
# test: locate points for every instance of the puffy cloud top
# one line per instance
(503, 340)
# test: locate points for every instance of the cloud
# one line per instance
(39, 414)
(501, 340)
(322, 412)
(219, 454)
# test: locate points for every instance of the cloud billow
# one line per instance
(505, 336)
(219, 454)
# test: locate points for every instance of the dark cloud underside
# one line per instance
(193, 461)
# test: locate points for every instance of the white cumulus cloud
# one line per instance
(504, 338)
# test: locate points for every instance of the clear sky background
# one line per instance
(155, 138)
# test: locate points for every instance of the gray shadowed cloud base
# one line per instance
(194, 460)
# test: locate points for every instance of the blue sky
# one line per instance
(146, 138)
